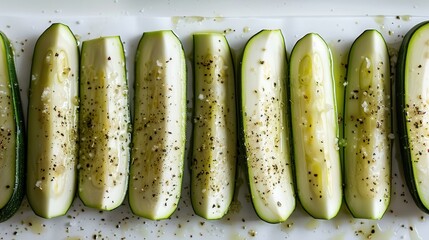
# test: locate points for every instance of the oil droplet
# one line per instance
(78, 38)
(379, 19)
(406, 18)
(218, 19)
(178, 21)
(313, 224)
(190, 19)
(237, 236)
(246, 29)
(252, 233)
(287, 226)
(341, 236)
(75, 101)
(175, 21)
(35, 224)
(380, 234)
(180, 231)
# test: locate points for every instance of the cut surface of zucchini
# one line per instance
(12, 154)
(264, 111)
(214, 130)
(159, 130)
(104, 124)
(315, 128)
(52, 122)
(367, 126)
(412, 87)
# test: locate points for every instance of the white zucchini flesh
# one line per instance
(415, 74)
(52, 122)
(104, 124)
(265, 125)
(159, 126)
(315, 128)
(7, 131)
(367, 125)
(214, 127)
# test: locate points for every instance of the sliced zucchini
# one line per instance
(104, 124)
(52, 122)
(214, 130)
(12, 154)
(315, 128)
(159, 126)
(264, 111)
(412, 87)
(367, 125)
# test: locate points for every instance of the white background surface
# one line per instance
(336, 21)
(213, 8)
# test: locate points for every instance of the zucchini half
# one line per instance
(367, 125)
(412, 87)
(159, 133)
(264, 111)
(104, 124)
(52, 122)
(315, 127)
(214, 130)
(12, 154)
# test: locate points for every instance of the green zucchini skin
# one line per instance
(52, 122)
(265, 129)
(412, 111)
(104, 124)
(214, 128)
(315, 128)
(16, 188)
(367, 126)
(159, 132)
